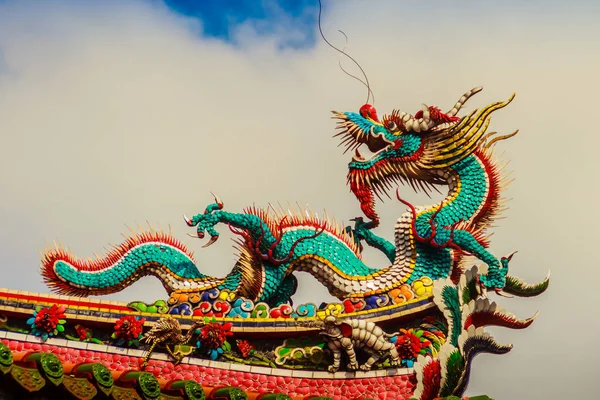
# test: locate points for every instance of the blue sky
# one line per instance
(221, 18)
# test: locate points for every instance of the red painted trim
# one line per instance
(50, 300)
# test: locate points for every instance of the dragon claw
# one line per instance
(188, 221)
(217, 200)
(199, 235)
(205, 223)
(493, 280)
(359, 227)
(508, 257)
(213, 207)
(212, 240)
(502, 293)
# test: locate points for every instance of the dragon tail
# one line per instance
(147, 253)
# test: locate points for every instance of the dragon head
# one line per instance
(414, 149)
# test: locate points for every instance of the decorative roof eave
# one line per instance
(44, 372)
(41, 372)
(107, 311)
(33, 343)
(297, 384)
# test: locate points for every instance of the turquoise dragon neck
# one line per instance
(442, 232)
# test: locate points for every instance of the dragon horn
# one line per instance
(188, 221)
(217, 200)
(461, 102)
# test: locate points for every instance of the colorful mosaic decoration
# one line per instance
(407, 330)
(426, 150)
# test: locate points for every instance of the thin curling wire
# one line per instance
(366, 83)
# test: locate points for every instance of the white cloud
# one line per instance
(121, 113)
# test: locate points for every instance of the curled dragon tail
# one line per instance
(142, 254)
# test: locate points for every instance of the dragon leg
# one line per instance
(466, 242)
(252, 226)
(381, 244)
(348, 347)
(363, 231)
(374, 356)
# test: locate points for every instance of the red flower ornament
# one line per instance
(213, 339)
(47, 322)
(411, 343)
(82, 332)
(128, 330)
(245, 348)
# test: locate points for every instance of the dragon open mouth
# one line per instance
(406, 148)
(375, 145)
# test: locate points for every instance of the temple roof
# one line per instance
(44, 373)
(62, 366)
(45, 376)
(82, 358)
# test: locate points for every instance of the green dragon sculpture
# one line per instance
(426, 150)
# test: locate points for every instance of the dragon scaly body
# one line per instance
(270, 247)
(429, 148)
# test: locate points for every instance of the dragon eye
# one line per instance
(391, 126)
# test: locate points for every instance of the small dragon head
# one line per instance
(407, 148)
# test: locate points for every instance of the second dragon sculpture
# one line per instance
(346, 336)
